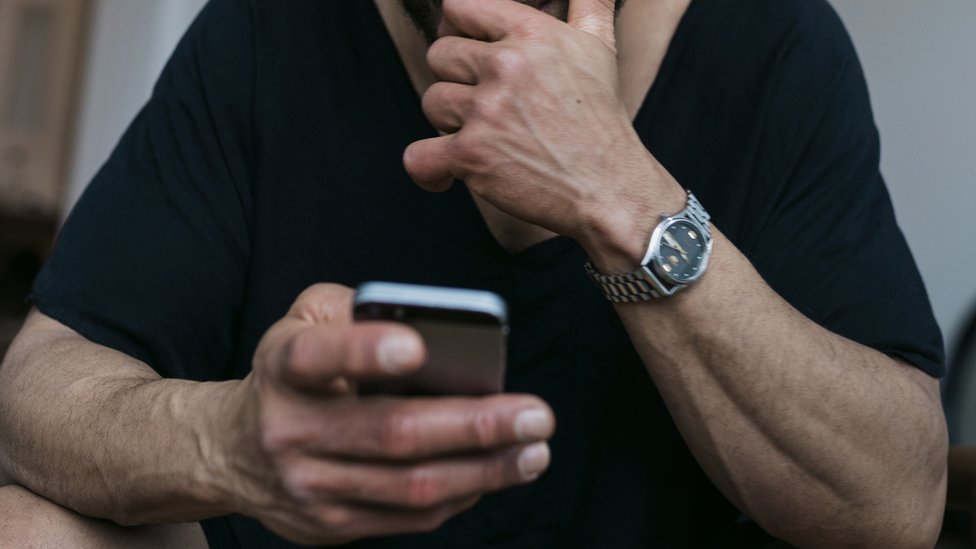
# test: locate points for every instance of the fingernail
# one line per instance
(532, 425)
(533, 460)
(397, 353)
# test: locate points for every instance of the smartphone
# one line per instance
(465, 332)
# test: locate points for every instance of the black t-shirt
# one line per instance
(269, 159)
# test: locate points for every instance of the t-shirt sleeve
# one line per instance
(152, 260)
(831, 246)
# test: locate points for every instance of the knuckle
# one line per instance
(398, 435)
(298, 356)
(526, 28)
(294, 483)
(321, 289)
(483, 427)
(508, 63)
(272, 354)
(317, 293)
(357, 352)
(421, 488)
(276, 437)
(500, 473)
(469, 153)
(334, 518)
(436, 92)
(322, 303)
(273, 442)
(490, 105)
(437, 51)
(323, 484)
(433, 98)
(263, 355)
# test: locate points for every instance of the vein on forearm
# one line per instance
(767, 398)
(99, 432)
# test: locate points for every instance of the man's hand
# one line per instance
(533, 118)
(333, 467)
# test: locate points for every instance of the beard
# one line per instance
(426, 14)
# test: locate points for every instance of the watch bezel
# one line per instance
(653, 259)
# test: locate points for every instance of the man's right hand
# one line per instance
(319, 464)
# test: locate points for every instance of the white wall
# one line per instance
(920, 61)
(131, 41)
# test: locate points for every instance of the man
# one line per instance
(791, 386)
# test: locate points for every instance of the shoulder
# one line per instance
(785, 68)
(771, 23)
(305, 17)
(758, 37)
(794, 58)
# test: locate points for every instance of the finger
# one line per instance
(422, 485)
(455, 59)
(429, 163)
(397, 429)
(361, 521)
(595, 17)
(488, 20)
(446, 28)
(447, 104)
(323, 304)
(318, 355)
(319, 305)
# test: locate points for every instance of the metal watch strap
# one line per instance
(697, 212)
(634, 287)
(623, 288)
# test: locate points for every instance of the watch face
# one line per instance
(682, 252)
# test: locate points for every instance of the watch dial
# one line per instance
(682, 251)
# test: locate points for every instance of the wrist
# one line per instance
(617, 235)
(182, 475)
(221, 451)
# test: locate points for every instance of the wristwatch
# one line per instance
(677, 256)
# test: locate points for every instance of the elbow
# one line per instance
(921, 524)
(917, 529)
(913, 520)
(888, 502)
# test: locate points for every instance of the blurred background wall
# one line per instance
(130, 42)
(920, 62)
(73, 73)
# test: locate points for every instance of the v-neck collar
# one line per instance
(556, 245)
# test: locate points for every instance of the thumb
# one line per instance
(323, 304)
(595, 17)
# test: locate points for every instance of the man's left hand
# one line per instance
(532, 115)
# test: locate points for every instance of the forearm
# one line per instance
(98, 432)
(814, 436)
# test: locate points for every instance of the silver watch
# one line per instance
(677, 256)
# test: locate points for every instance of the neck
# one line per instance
(409, 42)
